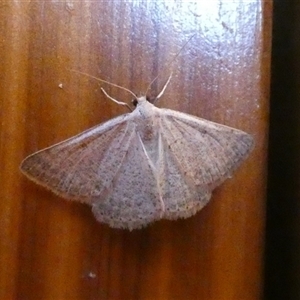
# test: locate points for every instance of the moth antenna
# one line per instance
(115, 100)
(169, 64)
(163, 89)
(105, 81)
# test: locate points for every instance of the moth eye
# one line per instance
(134, 102)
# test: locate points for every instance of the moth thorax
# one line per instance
(148, 131)
(149, 134)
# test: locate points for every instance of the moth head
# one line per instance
(141, 99)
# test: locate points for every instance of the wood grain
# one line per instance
(54, 249)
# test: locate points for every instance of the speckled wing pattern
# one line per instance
(131, 178)
(199, 155)
(79, 168)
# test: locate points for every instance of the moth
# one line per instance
(143, 166)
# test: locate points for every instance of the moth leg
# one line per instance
(114, 100)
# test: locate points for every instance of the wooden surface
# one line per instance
(54, 249)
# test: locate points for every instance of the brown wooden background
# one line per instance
(54, 249)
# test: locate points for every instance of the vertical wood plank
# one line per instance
(54, 249)
(13, 85)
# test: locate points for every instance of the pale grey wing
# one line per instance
(133, 200)
(208, 152)
(204, 154)
(181, 196)
(82, 166)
